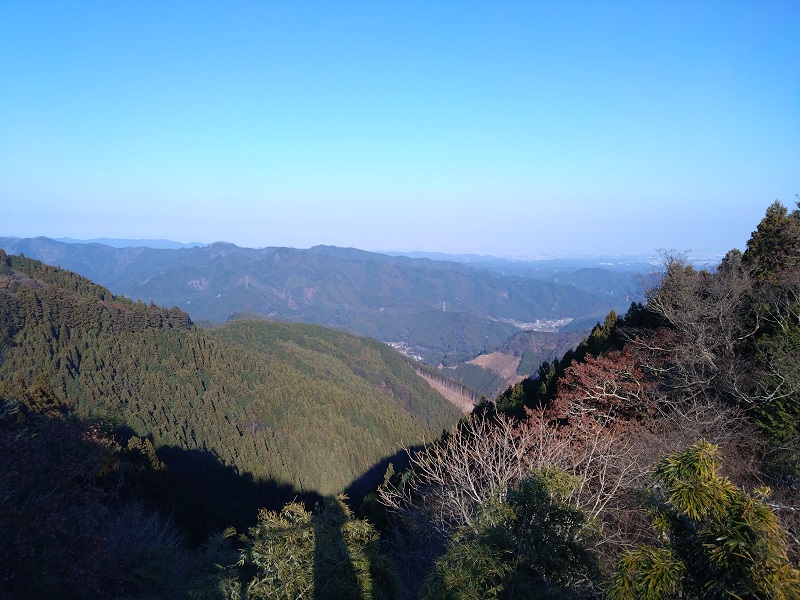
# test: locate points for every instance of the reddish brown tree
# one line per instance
(611, 390)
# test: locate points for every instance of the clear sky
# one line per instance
(507, 128)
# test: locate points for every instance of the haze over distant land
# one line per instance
(518, 129)
(556, 263)
(120, 243)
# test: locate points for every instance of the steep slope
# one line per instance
(516, 358)
(302, 406)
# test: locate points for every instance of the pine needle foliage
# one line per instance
(718, 540)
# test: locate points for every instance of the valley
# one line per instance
(300, 405)
(441, 312)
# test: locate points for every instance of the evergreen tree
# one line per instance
(720, 542)
(527, 543)
(774, 248)
(296, 554)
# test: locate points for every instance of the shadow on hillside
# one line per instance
(373, 477)
(204, 496)
(370, 480)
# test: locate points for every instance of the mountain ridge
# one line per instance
(438, 308)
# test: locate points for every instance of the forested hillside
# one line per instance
(518, 357)
(297, 405)
(659, 459)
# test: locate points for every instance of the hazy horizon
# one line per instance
(510, 129)
(654, 256)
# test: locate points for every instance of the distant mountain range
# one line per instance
(126, 243)
(541, 266)
(444, 311)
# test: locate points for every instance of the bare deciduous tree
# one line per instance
(450, 481)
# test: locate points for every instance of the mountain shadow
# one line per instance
(204, 496)
(369, 481)
(334, 573)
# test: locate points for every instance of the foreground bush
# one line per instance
(719, 541)
(296, 554)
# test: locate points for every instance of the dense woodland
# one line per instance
(659, 459)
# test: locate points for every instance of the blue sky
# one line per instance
(507, 128)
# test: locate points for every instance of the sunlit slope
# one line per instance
(300, 405)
